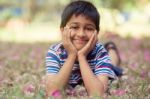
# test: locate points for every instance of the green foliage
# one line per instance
(34, 7)
(116, 4)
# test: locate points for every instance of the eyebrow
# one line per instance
(76, 23)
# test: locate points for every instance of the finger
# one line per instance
(67, 26)
(68, 36)
(94, 39)
(89, 44)
(65, 32)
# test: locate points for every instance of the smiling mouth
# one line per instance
(79, 41)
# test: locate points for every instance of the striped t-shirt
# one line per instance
(98, 60)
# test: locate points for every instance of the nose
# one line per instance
(81, 33)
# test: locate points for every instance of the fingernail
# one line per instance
(94, 33)
(67, 26)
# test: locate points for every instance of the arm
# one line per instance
(95, 85)
(58, 81)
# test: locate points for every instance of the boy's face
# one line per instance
(82, 29)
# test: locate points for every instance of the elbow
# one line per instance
(52, 92)
(98, 92)
(51, 89)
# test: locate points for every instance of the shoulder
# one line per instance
(55, 47)
(99, 47)
(98, 44)
(97, 51)
(101, 52)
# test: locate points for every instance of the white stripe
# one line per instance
(51, 60)
(52, 64)
(111, 76)
(105, 69)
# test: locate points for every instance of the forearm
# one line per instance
(59, 81)
(64, 73)
(93, 85)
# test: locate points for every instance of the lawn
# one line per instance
(22, 69)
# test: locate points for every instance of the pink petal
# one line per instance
(144, 73)
(28, 88)
(119, 92)
(136, 42)
(134, 65)
(123, 56)
(56, 93)
(147, 55)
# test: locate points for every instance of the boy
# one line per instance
(79, 58)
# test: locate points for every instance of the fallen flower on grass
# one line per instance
(56, 95)
(29, 89)
(147, 55)
(118, 92)
(144, 74)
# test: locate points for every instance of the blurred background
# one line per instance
(29, 27)
(38, 20)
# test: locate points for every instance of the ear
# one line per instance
(99, 30)
(61, 29)
(96, 32)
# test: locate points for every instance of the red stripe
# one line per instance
(104, 67)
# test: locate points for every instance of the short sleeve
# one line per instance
(103, 64)
(52, 62)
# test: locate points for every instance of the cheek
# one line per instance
(72, 34)
(89, 35)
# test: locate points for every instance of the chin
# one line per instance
(79, 44)
(79, 47)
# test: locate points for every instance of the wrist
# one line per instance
(72, 56)
(81, 57)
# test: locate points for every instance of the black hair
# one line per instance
(80, 7)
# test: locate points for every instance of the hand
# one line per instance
(68, 45)
(89, 46)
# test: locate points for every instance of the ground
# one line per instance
(22, 69)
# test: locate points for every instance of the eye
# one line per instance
(90, 29)
(74, 27)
